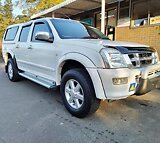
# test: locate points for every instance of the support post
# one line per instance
(103, 16)
(53, 15)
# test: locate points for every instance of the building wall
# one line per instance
(145, 35)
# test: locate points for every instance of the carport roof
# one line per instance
(71, 7)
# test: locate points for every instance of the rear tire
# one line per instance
(78, 93)
(12, 71)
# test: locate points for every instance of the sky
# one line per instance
(16, 10)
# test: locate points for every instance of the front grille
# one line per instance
(142, 55)
(142, 59)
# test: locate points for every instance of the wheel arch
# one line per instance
(9, 54)
(81, 61)
(75, 58)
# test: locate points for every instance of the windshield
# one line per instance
(69, 29)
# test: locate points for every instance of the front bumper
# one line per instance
(145, 83)
(115, 92)
(150, 79)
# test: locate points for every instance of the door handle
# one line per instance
(17, 46)
(30, 47)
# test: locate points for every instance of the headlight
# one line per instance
(113, 58)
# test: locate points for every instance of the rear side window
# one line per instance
(11, 34)
(24, 33)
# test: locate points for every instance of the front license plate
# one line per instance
(132, 87)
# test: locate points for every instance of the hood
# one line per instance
(128, 47)
(123, 47)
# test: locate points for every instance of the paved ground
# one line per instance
(30, 113)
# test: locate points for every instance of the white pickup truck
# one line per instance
(86, 65)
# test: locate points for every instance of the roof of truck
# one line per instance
(20, 24)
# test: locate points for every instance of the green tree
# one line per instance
(31, 7)
(43, 4)
(1, 19)
(6, 16)
(7, 13)
(8, 8)
(1, 7)
(21, 19)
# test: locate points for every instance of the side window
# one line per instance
(40, 27)
(11, 33)
(24, 33)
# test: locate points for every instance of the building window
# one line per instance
(140, 13)
(98, 21)
(123, 9)
(145, 12)
(154, 11)
(112, 17)
(123, 19)
(124, 12)
(88, 21)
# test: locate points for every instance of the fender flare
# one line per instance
(90, 67)
(5, 56)
(6, 59)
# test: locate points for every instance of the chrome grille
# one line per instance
(142, 59)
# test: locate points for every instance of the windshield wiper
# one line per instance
(89, 37)
(105, 38)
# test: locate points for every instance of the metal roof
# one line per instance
(71, 7)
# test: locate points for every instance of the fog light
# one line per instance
(118, 81)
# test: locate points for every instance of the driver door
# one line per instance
(42, 53)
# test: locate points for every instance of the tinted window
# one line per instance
(40, 27)
(24, 33)
(11, 34)
(68, 29)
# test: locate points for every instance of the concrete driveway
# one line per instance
(30, 113)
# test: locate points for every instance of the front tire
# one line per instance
(12, 71)
(78, 93)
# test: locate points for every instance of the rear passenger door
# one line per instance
(21, 51)
(42, 56)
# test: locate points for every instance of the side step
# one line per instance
(44, 82)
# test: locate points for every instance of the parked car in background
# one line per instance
(80, 59)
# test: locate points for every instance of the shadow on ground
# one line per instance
(30, 113)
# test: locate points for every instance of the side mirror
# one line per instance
(44, 36)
